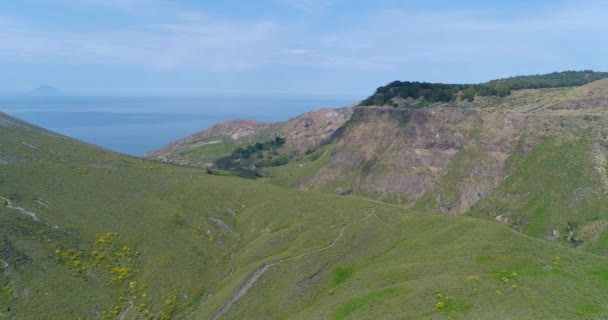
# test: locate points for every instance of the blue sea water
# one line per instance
(134, 125)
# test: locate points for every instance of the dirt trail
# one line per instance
(266, 266)
(123, 314)
(215, 286)
(600, 164)
(10, 205)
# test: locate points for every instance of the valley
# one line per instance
(460, 158)
(490, 209)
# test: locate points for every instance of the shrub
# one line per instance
(341, 274)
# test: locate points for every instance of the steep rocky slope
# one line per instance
(535, 161)
(453, 155)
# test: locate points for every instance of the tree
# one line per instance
(503, 90)
(279, 141)
(469, 93)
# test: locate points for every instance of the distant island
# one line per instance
(46, 91)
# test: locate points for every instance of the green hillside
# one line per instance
(88, 233)
(556, 191)
(245, 144)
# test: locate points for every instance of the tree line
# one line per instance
(245, 160)
(442, 92)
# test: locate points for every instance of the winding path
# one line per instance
(124, 313)
(266, 266)
(10, 205)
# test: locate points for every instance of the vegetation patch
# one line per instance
(245, 161)
(553, 192)
(347, 308)
(441, 92)
(587, 309)
(119, 262)
(341, 274)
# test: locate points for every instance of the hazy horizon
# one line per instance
(27, 95)
(134, 125)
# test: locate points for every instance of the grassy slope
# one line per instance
(294, 172)
(222, 146)
(391, 267)
(386, 264)
(555, 186)
(204, 154)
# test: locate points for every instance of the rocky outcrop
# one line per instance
(399, 154)
(310, 129)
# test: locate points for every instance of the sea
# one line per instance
(135, 125)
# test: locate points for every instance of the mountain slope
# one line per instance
(108, 236)
(302, 133)
(205, 146)
(446, 159)
(458, 156)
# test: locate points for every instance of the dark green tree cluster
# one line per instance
(431, 92)
(261, 154)
(441, 92)
(247, 152)
(551, 80)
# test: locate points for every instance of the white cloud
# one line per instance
(295, 51)
(389, 39)
(516, 42)
(308, 5)
(206, 43)
(133, 6)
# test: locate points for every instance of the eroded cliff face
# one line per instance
(445, 158)
(399, 154)
(312, 128)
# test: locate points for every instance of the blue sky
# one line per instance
(330, 47)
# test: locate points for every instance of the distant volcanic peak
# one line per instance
(46, 90)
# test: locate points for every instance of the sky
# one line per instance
(289, 47)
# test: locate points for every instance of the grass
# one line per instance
(359, 303)
(206, 153)
(294, 172)
(554, 186)
(341, 274)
